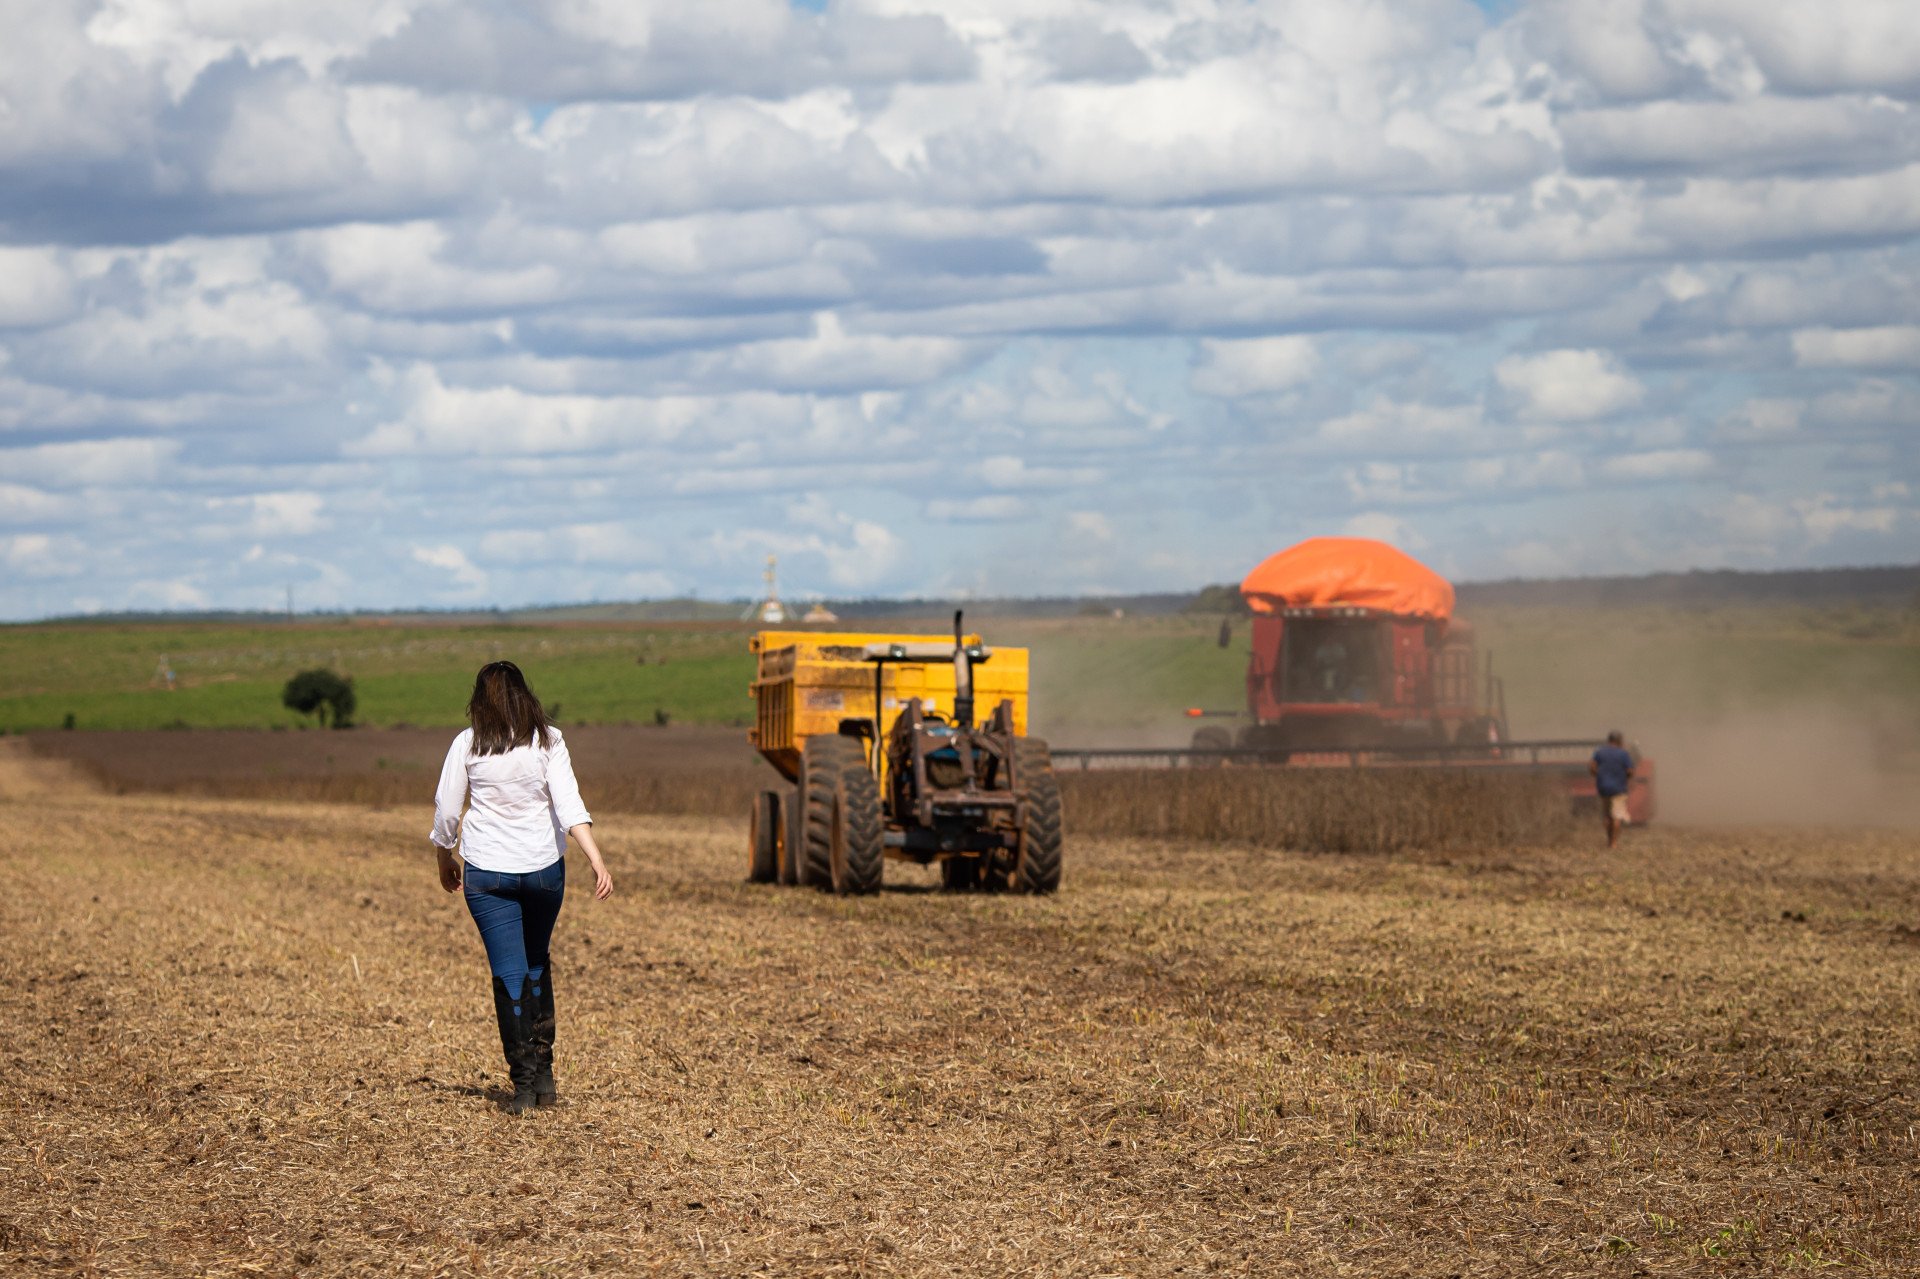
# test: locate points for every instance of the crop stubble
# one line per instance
(250, 1037)
(712, 772)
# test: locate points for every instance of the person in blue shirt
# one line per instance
(1612, 769)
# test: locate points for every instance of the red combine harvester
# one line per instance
(1359, 662)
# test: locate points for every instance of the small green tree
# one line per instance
(319, 692)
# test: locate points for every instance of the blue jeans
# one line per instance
(515, 913)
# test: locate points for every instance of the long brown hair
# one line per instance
(504, 712)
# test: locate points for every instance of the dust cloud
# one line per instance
(1726, 754)
(1799, 763)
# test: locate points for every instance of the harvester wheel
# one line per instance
(854, 853)
(821, 764)
(793, 836)
(763, 865)
(1211, 738)
(1038, 868)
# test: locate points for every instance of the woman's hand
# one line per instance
(449, 869)
(602, 881)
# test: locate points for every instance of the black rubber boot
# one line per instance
(516, 1041)
(544, 1093)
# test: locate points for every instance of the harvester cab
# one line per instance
(929, 786)
(1344, 677)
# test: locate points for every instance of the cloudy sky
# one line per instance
(410, 302)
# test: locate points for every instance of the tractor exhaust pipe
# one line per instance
(962, 677)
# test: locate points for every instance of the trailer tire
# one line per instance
(763, 839)
(1037, 869)
(793, 837)
(821, 764)
(855, 851)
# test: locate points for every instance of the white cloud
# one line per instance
(1569, 386)
(993, 508)
(1763, 418)
(84, 463)
(872, 553)
(290, 514)
(42, 555)
(1755, 135)
(442, 420)
(1658, 464)
(1769, 525)
(467, 578)
(172, 592)
(1402, 427)
(1856, 45)
(664, 49)
(21, 504)
(403, 269)
(1254, 366)
(832, 360)
(1091, 525)
(609, 542)
(1004, 471)
(1547, 469)
(1382, 527)
(35, 288)
(1886, 346)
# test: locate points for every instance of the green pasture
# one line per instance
(1567, 671)
(107, 676)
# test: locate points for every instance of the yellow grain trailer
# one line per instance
(877, 734)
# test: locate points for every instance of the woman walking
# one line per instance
(513, 766)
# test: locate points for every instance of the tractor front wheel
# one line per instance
(1038, 867)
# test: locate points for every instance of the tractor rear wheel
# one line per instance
(793, 837)
(821, 765)
(855, 853)
(763, 838)
(1038, 867)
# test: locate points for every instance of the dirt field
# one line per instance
(248, 1038)
(692, 770)
(684, 769)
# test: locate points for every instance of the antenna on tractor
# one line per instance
(962, 677)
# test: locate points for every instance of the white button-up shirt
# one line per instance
(523, 804)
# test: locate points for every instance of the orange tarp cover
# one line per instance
(1349, 572)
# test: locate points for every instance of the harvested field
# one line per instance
(622, 769)
(713, 772)
(250, 1038)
